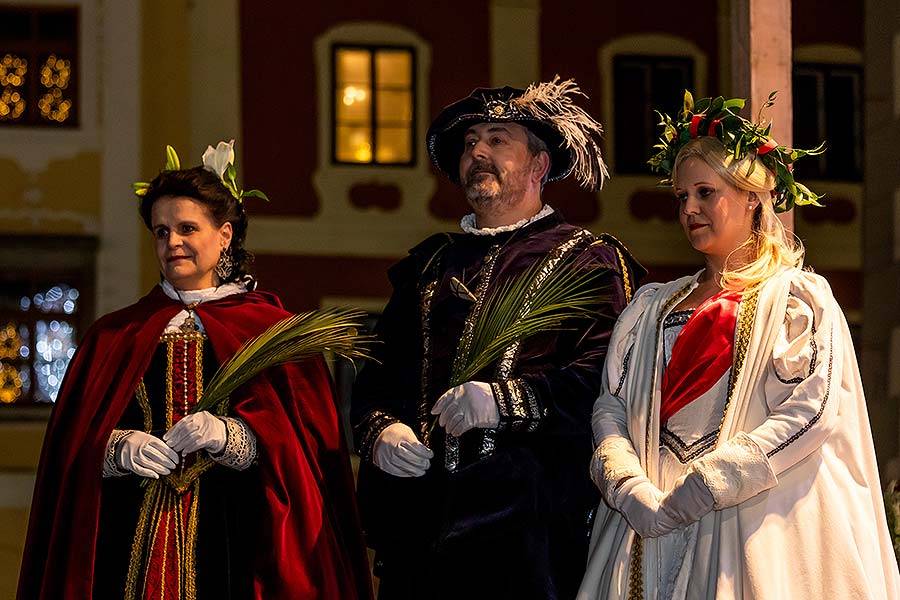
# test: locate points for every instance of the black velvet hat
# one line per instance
(546, 109)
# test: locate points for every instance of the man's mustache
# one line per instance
(482, 166)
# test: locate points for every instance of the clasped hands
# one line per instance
(399, 452)
(653, 513)
(149, 456)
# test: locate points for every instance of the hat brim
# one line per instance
(445, 138)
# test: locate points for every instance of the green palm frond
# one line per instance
(520, 309)
(540, 299)
(291, 340)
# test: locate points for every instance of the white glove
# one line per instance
(639, 502)
(469, 405)
(689, 500)
(399, 452)
(145, 455)
(197, 431)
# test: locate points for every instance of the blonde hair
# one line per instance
(770, 246)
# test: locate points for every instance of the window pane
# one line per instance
(54, 103)
(13, 71)
(631, 106)
(354, 144)
(354, 105)
(15, 25)
(644, 84)
(353, 67)
(394, 107)
(54, 348)
(394, 145)
(56, 299)
(393, 68)
(10, 383)
(841, 103)
(57, 25)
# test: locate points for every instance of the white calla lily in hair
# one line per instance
(217, 159)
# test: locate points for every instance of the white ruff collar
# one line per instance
(199, 297)
(468, 223)
(204, 295)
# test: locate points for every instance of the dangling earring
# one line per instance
(225, 265)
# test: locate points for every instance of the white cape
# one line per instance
(818, 532)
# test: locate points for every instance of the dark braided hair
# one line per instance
(204, 187)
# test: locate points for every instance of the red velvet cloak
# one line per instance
(311, 545)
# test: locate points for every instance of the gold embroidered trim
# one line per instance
(627, 275)
(424, 408)
(144, 402)
(451, 443)
(193, 336)
(551, 263)
(672, 301)
(746, 314)
(636, 570)
(170, 350)
(487, 272)
(162, 507)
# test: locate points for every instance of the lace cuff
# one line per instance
(368, 430)
(614, 462)
(736, 471)
(110, 466)
(518, 405)
(240, 445)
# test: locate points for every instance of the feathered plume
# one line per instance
(552, 101)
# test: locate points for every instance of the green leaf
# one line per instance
(733, 103)
(688, 105)
(172, 162)
(254, 194)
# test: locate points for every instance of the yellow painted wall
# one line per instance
(62, 198)
(165, 98)
(20, 447)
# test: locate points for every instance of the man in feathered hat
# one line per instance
(474, 481)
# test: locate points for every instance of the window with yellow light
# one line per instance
(374, 108)
(38, 50)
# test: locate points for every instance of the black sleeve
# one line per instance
(559, 397)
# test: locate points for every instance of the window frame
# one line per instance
(413, 90)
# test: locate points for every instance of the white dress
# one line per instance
(787, 454)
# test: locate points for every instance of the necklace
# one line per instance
(190, 323)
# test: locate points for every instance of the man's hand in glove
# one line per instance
(399, 452)
(466, 406)
(145, 455)
(197, 431)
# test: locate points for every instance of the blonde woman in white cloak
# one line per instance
(734, 453)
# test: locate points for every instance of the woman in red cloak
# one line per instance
(139, 497)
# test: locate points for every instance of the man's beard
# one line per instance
(487, 190)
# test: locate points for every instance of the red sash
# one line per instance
(702, 353)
